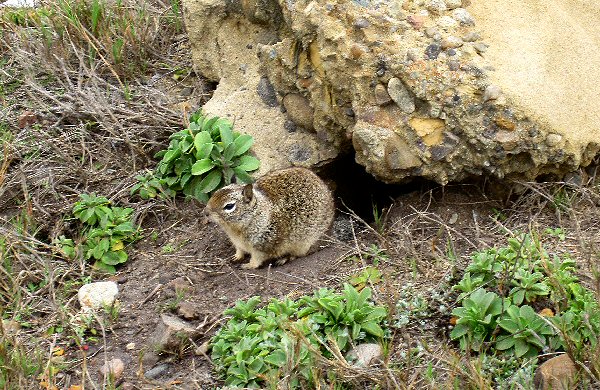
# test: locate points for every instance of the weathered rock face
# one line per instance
(404, 83)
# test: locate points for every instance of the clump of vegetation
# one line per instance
(199, 160)
(499, 291)
(116, 37)
(106, 231)
(284, 340)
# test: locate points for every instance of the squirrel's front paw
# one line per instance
(239, 254)
(250, 266)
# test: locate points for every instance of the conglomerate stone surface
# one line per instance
(407, 85)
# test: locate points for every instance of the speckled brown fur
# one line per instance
(284, 213)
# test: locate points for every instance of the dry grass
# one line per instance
(95, 80)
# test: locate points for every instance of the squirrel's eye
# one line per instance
(229, 207)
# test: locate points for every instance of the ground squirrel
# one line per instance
(284, 213)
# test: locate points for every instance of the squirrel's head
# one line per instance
(231, 204)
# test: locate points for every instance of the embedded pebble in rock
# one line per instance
(416, 21)
(447, 22)
(492, 92)
(413, 54)
(452, 4)
(382, 97)
(267, 93)
(463, 17)
(401, 96)
(361, 23)
(553, 139)
(453, 65)
(480, 47)
(365, 355)
(113, 368)
(436, 6)
(97, 295)
(471, 36)
(451, 42)
(433, 32)
(433, 51)
(299, 110)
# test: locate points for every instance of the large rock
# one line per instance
(408, 84)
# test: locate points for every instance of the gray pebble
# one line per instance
(453, 64)
(471, 37)
(433, 51)
(553, 139)
(267, 93)
(401, 96)
(480, 47)
(451, 42)
(452, 4)
(436, 6)
(463, 16)
(361, 23)
(492, 92)
(157, 371)
(382, 97)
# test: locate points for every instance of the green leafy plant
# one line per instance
(497, 288)
(107, 229)
(203, 158)
(368, 275)
(527, 286)
(260, 346)
(527, 331)
(476, 319)
(149, 187)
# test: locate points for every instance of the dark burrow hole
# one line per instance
(357, 190)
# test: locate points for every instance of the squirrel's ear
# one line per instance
(247, 192)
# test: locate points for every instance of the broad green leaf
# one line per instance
(202, 138)
(242, 144)
(504, 343)
(104, 267)
(208, 123)
(459, 331)
(225, 132)
(248, 163)
(242, 175)
(210, 182)
(521, 347)
(202, 166)
(276, 358)
(228, 152)
(372, 328)
(114, 258)
(104, 244)
(204, 151)
(171, 155)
